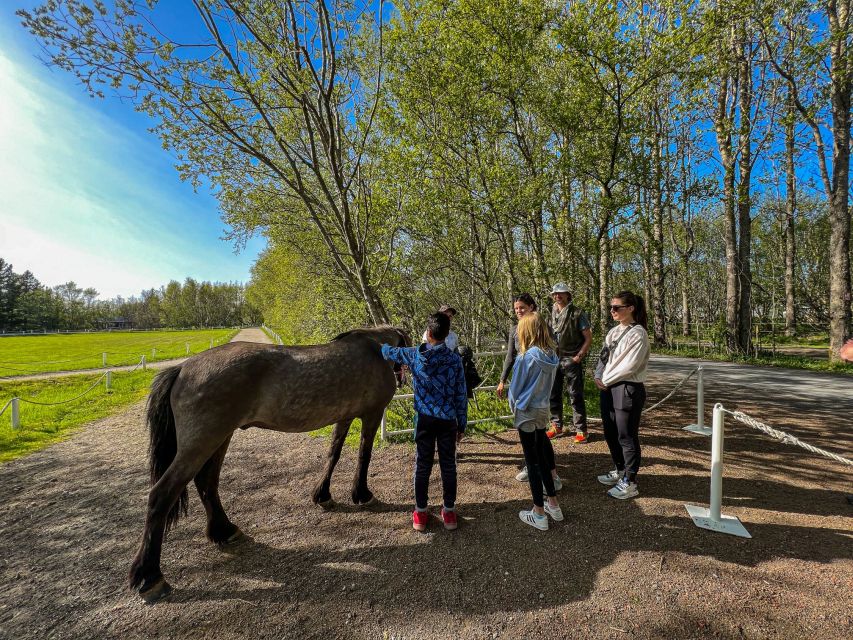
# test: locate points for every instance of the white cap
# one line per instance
(560, 287)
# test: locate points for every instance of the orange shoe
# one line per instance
(580, 438)
(554, 431)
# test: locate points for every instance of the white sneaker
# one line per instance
(522, 476)
(558, 484)
(555, 512)
(610, 478)
(534, 520)
(624, 490)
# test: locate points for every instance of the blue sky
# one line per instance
(88, 194)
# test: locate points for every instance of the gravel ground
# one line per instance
(71, 516)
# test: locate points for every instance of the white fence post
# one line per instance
(211, 343)
(104, 358)
(16, 414)
(188, 347)
(699, 427)
(382, 426)
(712, 518)
(143, 361)
(109, 380)
(153, 352)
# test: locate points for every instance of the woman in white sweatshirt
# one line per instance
(620, 375)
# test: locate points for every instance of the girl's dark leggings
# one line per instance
(621, 410)
(539, 463)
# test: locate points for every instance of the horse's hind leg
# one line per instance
(369, 425)
(322, 495)
(145, 573)
(219, 528)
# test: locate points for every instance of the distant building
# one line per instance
(116, 323)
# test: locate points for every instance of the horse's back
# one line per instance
(286, 388)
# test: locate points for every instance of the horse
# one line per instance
(195, 407)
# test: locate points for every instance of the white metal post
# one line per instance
(699, 427)
(382, 426)
(188, 348)
(109, 380)
(211, 343)
(712, 518)
(153, 353)
(104, 358)
(143, 361)
(16, 414)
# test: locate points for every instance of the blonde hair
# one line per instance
(533, 332)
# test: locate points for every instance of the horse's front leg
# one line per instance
(369, 425)
(322, 495)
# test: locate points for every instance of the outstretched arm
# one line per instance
(400, 355)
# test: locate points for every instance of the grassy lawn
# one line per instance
(22, 355)
(44, 425)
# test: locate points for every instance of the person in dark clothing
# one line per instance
(441, 405)
(574, 337)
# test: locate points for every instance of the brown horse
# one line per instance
(194, 409)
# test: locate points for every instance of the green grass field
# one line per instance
(22, 355)
(44, 425)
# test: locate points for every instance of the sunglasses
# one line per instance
(616, 307)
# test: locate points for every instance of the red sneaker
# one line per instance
(420, 520)
(580, 438)
(554, 431)
(449, 517)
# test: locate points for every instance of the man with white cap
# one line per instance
(574, 336)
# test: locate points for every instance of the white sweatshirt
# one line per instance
(628, 361)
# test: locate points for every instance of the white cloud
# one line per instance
(85, 198)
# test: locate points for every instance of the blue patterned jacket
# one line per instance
(438, 380)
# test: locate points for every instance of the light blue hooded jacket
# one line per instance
(532, 379)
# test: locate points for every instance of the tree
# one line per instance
(276, 108)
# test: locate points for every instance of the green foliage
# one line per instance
(44, 425)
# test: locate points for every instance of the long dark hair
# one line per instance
(527, 299)
(633, 300)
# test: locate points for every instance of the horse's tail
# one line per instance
(163, 445)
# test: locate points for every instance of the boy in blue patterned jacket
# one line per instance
(442, 414)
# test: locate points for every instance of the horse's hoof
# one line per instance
(327, 505)
(156, 592)
(370, 503)
(235, 538)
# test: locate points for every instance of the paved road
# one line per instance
(252, 334)
(796, 387)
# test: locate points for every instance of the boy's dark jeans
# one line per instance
(621, 410)
(429, 432)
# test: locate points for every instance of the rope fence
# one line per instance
(784, 438)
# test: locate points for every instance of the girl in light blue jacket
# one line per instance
(529, 398)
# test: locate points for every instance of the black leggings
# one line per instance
(621, 410)
(536, 454)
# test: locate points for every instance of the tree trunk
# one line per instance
(658, 278)
(839, 210)
(744, 208)
(790, 211)
(722, 129)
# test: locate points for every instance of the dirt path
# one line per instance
(252, 334)
(71, 516)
